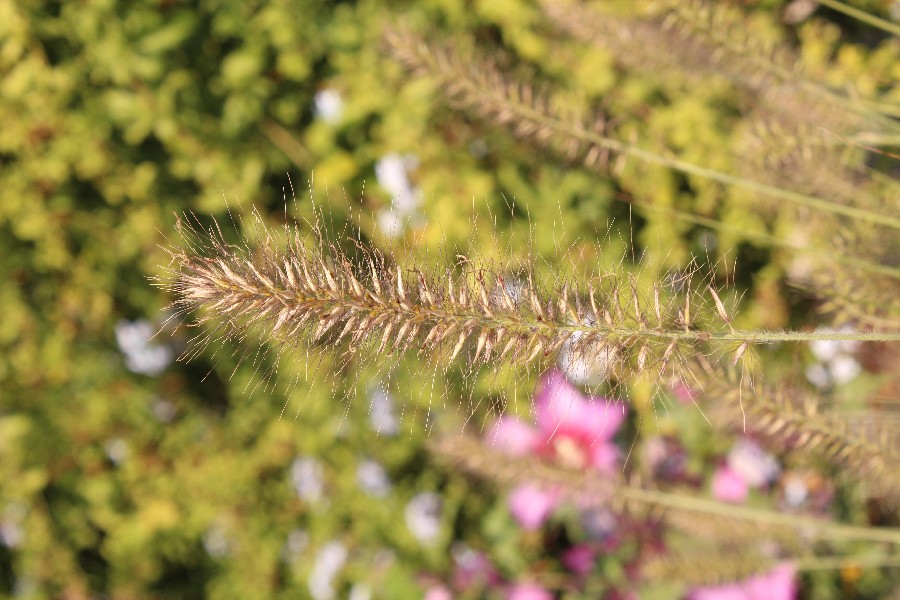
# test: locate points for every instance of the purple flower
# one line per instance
(579, 559)
(473, 569)
(752, 463)
(571, 428)
(778, 584)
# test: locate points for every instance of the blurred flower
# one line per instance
(798, 11)
(11, 534)
(373, 479)
(472, 569)
(747, 466)
(579, 559)
(381, 413)
(328, 562)
(296, 542)
(117, 450)
(600, 524)
(806, 491)
(329, 105)
(836, 364)
(164, 410)
(572, 429)
(666, 458)
(795, 490)
(438, 592)
(215, 541)
(530, 505)
(423, 516)
(778, 584)
(587, 366)
(527, 591)
(729, 486)
(392, 173)
(306, 474)
(133, 338)
(360, 591)
(756, 466)
(684, 394)
(478, 148)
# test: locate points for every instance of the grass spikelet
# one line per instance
(474, 85)
(710, 567)
(793, 421)
(861, 297)
(704, 39)
(801, 157)
(314, 294)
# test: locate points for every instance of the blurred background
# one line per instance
(126, 474)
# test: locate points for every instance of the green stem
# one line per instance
(827, 563)
(862, 16)
(473, 456)
(850, 261)
(861, 107)
(824, 529)
(692, 169)
(871, 138)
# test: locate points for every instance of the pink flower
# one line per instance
(437, 593)
(571, 428)
(579, 559)
(778, 584)
(684, 394)
(530, 505)
(729, 486)
(527, 591)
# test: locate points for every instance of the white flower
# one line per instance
(306, 474)
(755, 466)
(329, 105)
(11, 533)
(589, 364)
(392, 173)
(818, 375)
(117, 450)
(795, 491)
(164, 410)
(360, 591)
(296, 542)
(423, 517)
(836, 364)
(141, 356)
(844, 368)
(390, 222)
(329, 561)
(373, 479)
(216, 542)
(381, 413)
